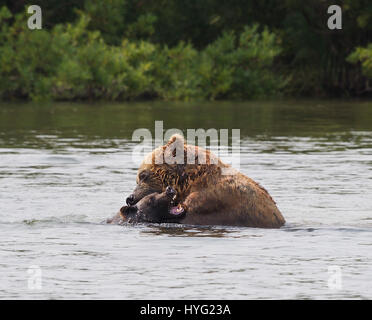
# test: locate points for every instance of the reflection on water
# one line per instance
(175, 230)
(64, 168)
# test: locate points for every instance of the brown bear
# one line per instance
(208, 191)
(155, 207)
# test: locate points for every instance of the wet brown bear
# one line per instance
(155, 207)
(209, 191)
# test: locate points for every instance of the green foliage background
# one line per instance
(183, 50)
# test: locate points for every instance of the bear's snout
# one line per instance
(130, 200)
(170, 192)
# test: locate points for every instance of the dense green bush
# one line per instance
(364, 56)
(313, 58)
(241, 68)
(69, 61)
(175, 73)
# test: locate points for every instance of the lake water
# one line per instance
(64, 168)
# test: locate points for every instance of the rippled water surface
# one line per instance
(64, 168)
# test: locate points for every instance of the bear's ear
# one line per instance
(126, 210)
(176, 137)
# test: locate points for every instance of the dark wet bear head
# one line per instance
(155, 207)
(147, 183)
(156, 172)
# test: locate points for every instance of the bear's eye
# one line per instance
(144, 175)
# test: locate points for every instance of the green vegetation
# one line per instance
(364, 56)
(184, 50)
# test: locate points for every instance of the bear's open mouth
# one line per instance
(176, 210)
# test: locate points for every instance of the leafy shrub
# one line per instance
(241, 67)
(175, 72)
(364, 56)
(70, 61)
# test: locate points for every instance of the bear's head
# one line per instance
(155, 173)
(155, 207)
(175, 164)
(147, 183)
